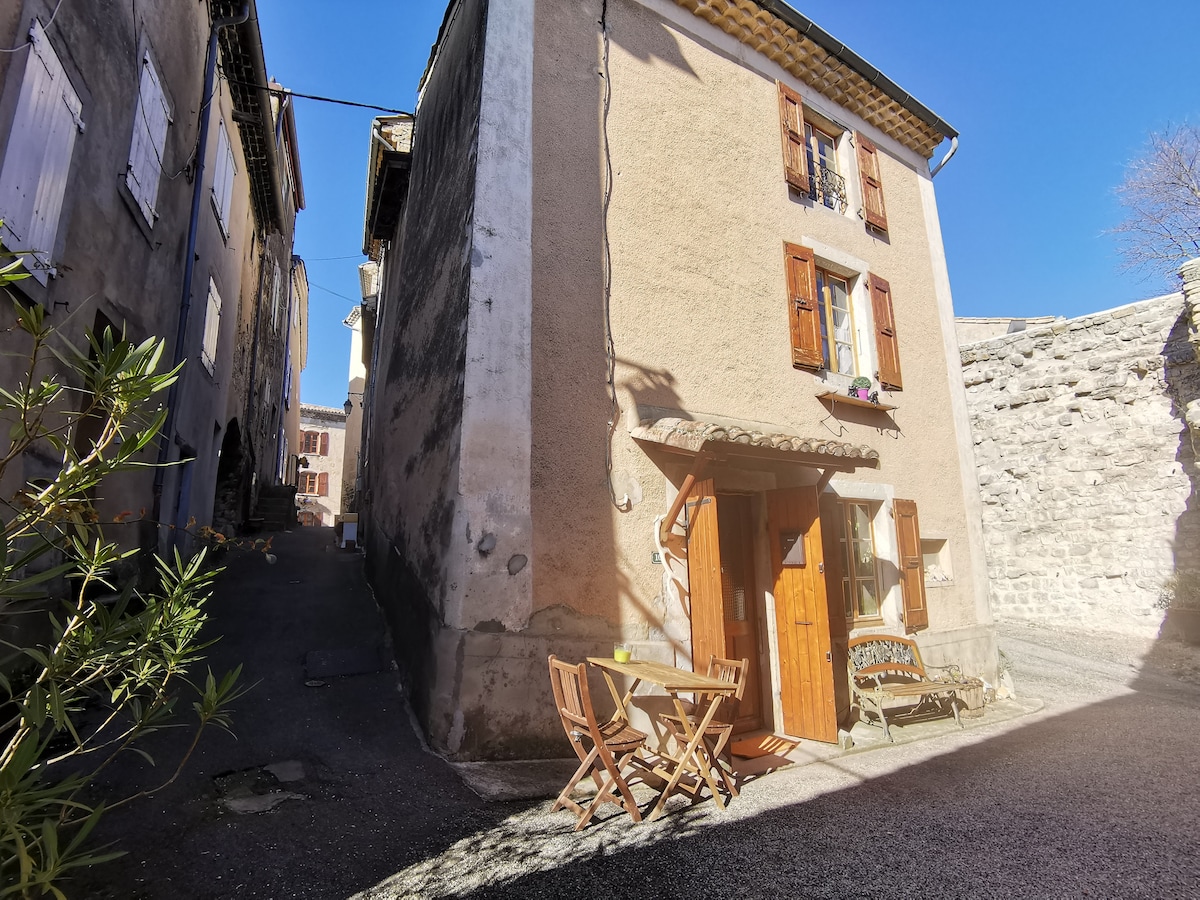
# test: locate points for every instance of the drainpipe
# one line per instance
(945, 159)
(189, 264)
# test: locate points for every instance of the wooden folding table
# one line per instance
(695, 759)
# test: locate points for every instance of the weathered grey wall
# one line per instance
(419, 351)
(1085, 463)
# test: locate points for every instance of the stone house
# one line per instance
(1086, 462)
(323, 449)
(148, 209)
(632, 256)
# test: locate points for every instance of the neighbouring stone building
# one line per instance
(323, 447)
(1086, 463)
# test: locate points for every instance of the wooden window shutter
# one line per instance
(912, 568)
(324, 443)
(323, 484)
(791, 125)
(872, 183)
(804, 316)
(886, 342)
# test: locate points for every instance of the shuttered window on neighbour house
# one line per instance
(150, 122)
(324, 451)
(277, 312)
(310, 442)
(223, 175)
(791, 126)
(874, 211)
(37, 160)
(308, 482)
(212, 327)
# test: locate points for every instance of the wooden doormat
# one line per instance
(758, 745)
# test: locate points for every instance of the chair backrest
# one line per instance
(571, 697)
(732, 671)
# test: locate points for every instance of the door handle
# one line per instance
(798, 622)
(828, 656)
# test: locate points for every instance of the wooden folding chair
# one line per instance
(609, 748)
(720, 729)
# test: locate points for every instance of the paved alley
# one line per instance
(1095, 796)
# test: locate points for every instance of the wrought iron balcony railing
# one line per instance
(828, 187)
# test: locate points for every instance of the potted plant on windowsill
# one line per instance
(1180, 597)
(860, 387)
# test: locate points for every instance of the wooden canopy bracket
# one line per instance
(823, 481)
(698, 465)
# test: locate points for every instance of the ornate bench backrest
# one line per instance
(874, 654)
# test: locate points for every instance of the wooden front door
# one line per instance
(724, 604)
(741, 600)
(802, 615)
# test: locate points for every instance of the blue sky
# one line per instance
(1052, 101)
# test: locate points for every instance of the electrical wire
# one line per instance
(45, 27)
(335, 293)
(623, 504)
(286, 92)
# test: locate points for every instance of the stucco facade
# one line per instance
(615, 318)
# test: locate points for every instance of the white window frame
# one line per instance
(37, 160)
(151, 120)
(224, 172)
(212, 327)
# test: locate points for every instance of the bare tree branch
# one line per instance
(1161, 195)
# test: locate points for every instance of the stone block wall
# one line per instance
(1086, 465)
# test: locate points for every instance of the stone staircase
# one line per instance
(276, 508)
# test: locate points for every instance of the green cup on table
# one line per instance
(622, 653)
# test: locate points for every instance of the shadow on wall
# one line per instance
(1182, 375)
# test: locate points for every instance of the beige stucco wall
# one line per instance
(699, 213)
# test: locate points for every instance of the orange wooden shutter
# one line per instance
(872, 183)
(795, 152)
(705, 596)
(325, 443)
(804, 317)
(323, 484)
(886, 341)
(912, 568)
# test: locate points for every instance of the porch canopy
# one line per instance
(714, 442)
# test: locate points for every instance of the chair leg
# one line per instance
(586, 765)
(612, 780)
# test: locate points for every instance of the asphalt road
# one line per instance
(1098, 795)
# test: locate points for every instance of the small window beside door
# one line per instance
(860, 574)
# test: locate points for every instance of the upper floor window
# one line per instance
(314, 442)
(837, 323)
(314, 483)
(827, 313)
(813, 165)
(150, 122)
(37, 160)
(223, 175)
(826, 185)
(212, 327)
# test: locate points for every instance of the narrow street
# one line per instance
(1098, 795)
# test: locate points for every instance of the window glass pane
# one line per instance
(861, 521)
(847, 599)
(868, 603)
(864, 560)
(845, 358)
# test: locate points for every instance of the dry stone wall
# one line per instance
(1086, 465)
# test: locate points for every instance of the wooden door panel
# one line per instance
(802, 615)
(742, 601)
(704, 576)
